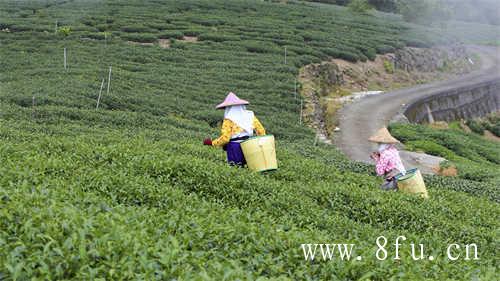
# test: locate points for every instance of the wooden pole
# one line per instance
(109, 80)
(285, 55)
(65, 63)
(99, 97)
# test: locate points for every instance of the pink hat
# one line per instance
(231, 99)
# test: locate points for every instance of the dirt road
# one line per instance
(362, 118)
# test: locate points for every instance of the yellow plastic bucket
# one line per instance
(260, 153)
(412, 182)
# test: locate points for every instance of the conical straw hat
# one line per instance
(231, 99)
(383, 136)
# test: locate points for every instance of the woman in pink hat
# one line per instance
(388, 162)
(239, 124)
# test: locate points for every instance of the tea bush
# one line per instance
(140, 37)
(475, 126)
(133, 186)
(171, 34)
(475, 157)
(128, 191)
(490, 123)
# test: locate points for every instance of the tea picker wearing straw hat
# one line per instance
(388, 162)
(239, 124)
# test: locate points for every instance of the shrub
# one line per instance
(157, 25)
(19, 28)
(4, 25)
(475, 126)
(64, 30)
(171, 34)
(260, 47)
(140, 37)
(307, 59)
(217, 37)
(384, 49)
(208, 22)
(389, 67)
(308, 51)
(431, 148)
(490, 123)
(102, 27)
(475, 158)
(424, 12)
(346, 55)
(93, 35)
(136, 29)
(370, 53)
(176, 44)
(495, 129)
(360, 7)
(341, 54)
(193, 32)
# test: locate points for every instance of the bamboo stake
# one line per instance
(99, 97)
(109, 80)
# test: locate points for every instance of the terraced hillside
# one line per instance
(127, 191)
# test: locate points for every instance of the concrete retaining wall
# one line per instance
(466, 102)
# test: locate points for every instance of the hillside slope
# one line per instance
(378, 110)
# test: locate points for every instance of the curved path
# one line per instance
(362, 118)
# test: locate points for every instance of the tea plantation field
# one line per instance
(477, 159)
(127, 192)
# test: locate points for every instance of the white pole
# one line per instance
(65, 64)
(109, 80)
(300, 118)
(99, 97)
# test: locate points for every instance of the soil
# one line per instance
(465, 127)
(140, 43)
(164, 43)
(190, 39)
(490, 136)
(447, 172)
(381, 75)
(312, 111)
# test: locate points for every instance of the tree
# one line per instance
(385, 5)
(360, 6)
(424, 11)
